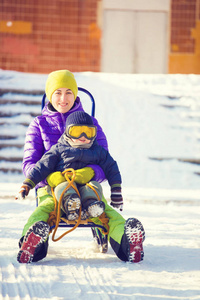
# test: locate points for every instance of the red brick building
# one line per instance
(41, 36)
(184, 56)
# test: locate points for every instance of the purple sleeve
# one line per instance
(33, 148)
(99, 173)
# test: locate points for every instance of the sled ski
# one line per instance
(101, 239)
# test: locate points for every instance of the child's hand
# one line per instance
(24, 191)
(116, 196)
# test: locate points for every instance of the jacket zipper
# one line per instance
(64, 122)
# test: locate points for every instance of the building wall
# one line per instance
(41, 36)
(126, 36)
(135, 36)
(184, 56)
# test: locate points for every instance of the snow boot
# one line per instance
(134, 235)
(71, 204)
(95, 208)
(34, 237)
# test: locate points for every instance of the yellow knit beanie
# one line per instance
(60, 79)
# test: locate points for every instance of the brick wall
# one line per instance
(184, 54)
(42, 36)
(183, 18)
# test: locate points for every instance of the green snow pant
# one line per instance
(46, 205)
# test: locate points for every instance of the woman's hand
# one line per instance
(23, 192)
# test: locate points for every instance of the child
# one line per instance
(77, 148)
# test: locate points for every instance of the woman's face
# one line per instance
(62, 100)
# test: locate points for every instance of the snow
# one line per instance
(145, 118)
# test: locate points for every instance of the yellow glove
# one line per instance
(55, 178)
(83, 175)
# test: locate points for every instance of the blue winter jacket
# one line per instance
(62, 156)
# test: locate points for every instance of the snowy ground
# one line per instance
(144, 116)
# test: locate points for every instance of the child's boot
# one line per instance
(133, 238)
(70, 201)
(94, 207)
(33, 239)
(71, 204)
(90, 201)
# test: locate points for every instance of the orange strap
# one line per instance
(54, 216)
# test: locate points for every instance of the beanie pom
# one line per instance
(60, 79)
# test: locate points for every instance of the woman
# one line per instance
(125, 237)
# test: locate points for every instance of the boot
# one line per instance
(94, 207)
(134, 235)
(35, 236)
(71, 204)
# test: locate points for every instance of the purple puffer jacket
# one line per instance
(45, 130)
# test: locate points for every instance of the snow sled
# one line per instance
(99, 232)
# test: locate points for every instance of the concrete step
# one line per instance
(17, 110)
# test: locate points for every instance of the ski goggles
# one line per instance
(76, 131)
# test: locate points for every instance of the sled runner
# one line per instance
(99, 232)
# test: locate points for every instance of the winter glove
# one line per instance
(84, 175)
(116, 196)
(25, 188)
(55, 178)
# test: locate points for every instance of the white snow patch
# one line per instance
(163, 195)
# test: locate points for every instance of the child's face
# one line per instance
(62, 100)
(82, 140)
